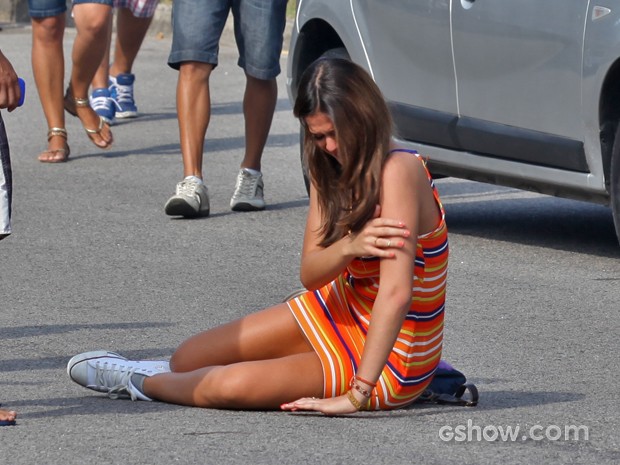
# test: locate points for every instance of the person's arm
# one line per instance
(9, 87)
(403, 180)
(406, 194)
(320, 265)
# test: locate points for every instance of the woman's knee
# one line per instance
(92, 19)
(48, 30)
(180, 362)
(224, 388)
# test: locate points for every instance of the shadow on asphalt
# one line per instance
(15, 332)
(60, 362)
(271, 206)
(544, 222)
(90, 403)
(211, 145)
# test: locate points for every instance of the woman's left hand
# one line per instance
(332, 406)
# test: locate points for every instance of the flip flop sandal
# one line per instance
(83, 102)
(62, 132)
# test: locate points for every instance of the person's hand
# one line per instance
(378, 237)
(340, 405)
(9, 87)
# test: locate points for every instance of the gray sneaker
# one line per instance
(111, 373)
(248, 194)
(191, 200)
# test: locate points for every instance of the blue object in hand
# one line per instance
(22, 91)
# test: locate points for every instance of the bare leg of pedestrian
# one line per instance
(89, 47)
(259, 103)
(112, 87)
(101, 75)
(194, 112)
(130, 33)
(48, 67)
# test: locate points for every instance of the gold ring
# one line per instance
(376, 239)
(389, 243)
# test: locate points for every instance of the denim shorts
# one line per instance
(46, 8)
(102, 2)
(197, 27)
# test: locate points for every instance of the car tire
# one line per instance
(615, 182)
(339, 52)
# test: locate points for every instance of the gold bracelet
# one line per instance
(356, 403)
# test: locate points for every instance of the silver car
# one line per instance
(523, 94)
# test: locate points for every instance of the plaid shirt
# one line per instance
(139, 8)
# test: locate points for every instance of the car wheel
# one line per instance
(615, 182)
(339, 52)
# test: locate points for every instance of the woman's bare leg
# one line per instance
(268, 334)
(100, 80)
(48, 67)
(92, 21)
(263, 384)
(257, 362)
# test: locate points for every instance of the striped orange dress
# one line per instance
(335, 319)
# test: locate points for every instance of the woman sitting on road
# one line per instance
(368, 334)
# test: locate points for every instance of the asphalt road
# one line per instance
(532, 317)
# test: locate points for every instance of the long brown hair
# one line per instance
(349, 190)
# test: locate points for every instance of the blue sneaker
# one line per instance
(121, 90)
(102, 103)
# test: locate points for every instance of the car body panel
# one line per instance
(503, 92)
(412, 25)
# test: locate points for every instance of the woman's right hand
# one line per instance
(379, 237)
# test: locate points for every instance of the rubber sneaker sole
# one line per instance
(248, 207)
(179, 207)
(126, 114)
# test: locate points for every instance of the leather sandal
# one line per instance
(82, 103)
(64, 153)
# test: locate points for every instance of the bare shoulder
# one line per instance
(403, 166)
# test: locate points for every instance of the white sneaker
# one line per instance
(111, 373)
(248, 195)
(191, 200)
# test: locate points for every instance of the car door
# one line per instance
(519, 70)
(409, 52)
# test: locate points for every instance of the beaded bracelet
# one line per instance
(356, 403)
(360, 389)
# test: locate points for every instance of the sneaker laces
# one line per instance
(246, 184)
(115, 378)
(100, 103)
(124, 93)
(187, 188)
